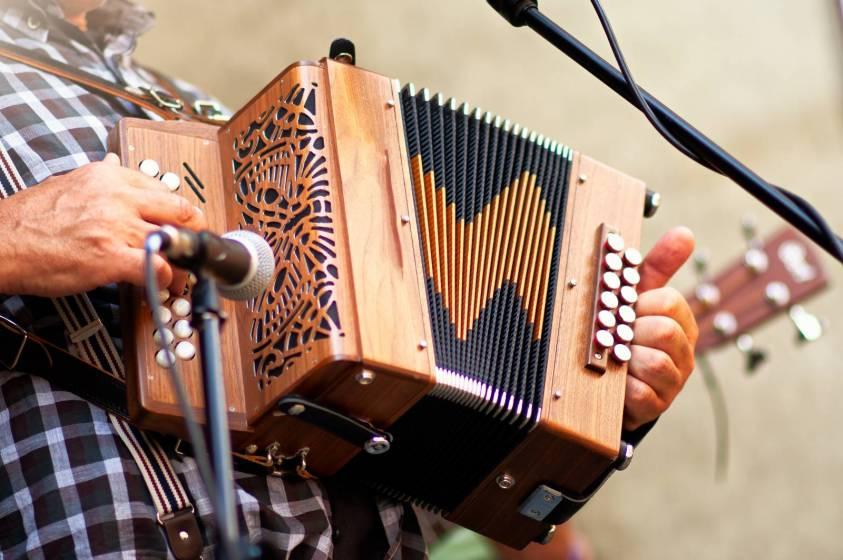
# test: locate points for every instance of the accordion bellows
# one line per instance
(437, 279)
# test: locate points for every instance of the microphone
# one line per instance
(240, 261)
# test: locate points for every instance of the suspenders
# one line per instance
(89, 337)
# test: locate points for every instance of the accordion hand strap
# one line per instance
(154, 99)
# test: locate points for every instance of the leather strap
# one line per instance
(156, 100)
(24, 351)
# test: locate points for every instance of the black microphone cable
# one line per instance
(639, 101)
(200, 450)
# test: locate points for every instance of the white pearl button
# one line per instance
(626, 313)
(613, 262)
(167, 338)
(164, 358)
(633, 257)
(171, 180)
(604, 339)
(164, 315)
(182, 328)
(624, 333)
(149, 167)
(163, 295)
(611, 280)
(631, 276)
(609, 300)
(181, 307)
(185, 350)
(622, 353)
(606, 319)
(614, 242)
(629, 294)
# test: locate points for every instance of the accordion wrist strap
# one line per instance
(155, 99)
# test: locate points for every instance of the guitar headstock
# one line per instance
(772, 276)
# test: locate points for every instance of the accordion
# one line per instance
(451, 310)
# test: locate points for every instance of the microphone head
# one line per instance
(261, 271)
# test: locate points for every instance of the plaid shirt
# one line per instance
(68, 486)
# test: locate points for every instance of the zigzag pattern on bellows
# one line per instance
(490, 200)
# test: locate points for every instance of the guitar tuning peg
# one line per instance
(749, 228)
(808, 326)
(754, 356)
(701, 259)
(755, 259)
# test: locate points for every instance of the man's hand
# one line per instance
(665, 333)
(85, 229)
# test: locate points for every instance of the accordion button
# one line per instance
(606, 319)
(622, 353)
(164, 337)
(181, 307)
(149, 167)
(185, 350)
(164, 358)
(614, 242)
(163, 295)
(613, 262)
(604, 339)
(165, 315)
(171, 180)
(624, 332)
(629, 294)
(609, 300)
(633, 257)
(182, 329)
(611, 280)
(627, 314)
(631, 276)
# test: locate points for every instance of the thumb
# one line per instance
(666, 257)
(111, 159)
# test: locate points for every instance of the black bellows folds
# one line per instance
(490, 201)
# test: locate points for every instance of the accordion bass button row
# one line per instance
(442, 279)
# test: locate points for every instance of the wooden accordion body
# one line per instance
(438, 276)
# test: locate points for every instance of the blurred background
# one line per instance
(763, 78)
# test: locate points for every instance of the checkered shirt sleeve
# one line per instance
(68, 486)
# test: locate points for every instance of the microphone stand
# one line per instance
(526, 12)
(207, 316)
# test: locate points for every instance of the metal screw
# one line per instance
(582, 178)
(251, 449)
(505, 481)
(422, 344)
(405, 219)
(557, 395)
(390, 103)
(365, 377)
(572, 283)
(296, 409)
(183, 536)
(598, 356)
(377, 445)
